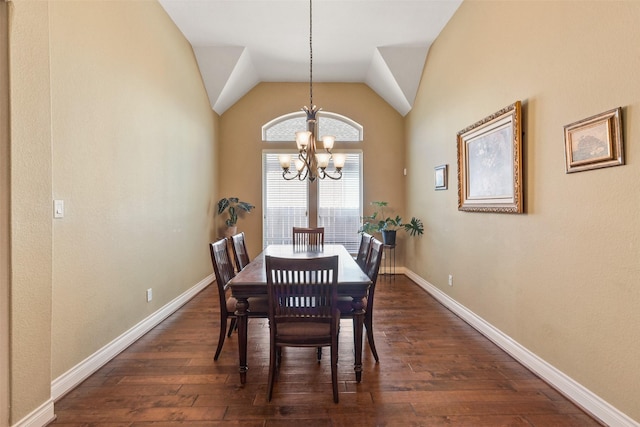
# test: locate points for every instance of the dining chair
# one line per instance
(371, 270)
(303, 309)
(363, 250)
(308, 238)
(224, 272)
(240, 253)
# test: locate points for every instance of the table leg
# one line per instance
(242, 306)
(358, 322)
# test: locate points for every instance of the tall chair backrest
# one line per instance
(303, 309)
(302, 290)
(363, 250)
(373, 262)
(223, 269)
(240, 253)
(308, 238)
(372, 267)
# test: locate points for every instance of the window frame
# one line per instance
(279, 146)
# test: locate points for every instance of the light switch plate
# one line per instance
(58, 208)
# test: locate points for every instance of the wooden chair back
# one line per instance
(240, 253)
(302, 290)
(373, 261)
(303, 308)
(371, 270)
(363, 250)
(223, 269)
(308, 238)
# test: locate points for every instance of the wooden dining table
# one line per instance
(252, 282)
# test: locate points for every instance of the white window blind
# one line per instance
(284, 205)
(340, 205)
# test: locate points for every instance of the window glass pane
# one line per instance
(341, 130)
(340, 205)
(286, 130)
(284, 204)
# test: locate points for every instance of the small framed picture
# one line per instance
(594, 142)
(441, 177)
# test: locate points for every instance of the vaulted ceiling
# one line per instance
(240, 43)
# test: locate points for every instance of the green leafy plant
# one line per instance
(233, 205)
(377, 222)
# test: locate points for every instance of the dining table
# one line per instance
(252, 282)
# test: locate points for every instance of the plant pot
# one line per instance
(389, 237)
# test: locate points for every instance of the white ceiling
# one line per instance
(240, 43)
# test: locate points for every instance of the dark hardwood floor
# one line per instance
(434, 370)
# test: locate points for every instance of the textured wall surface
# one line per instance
(31, 228)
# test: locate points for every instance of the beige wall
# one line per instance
(5, 229)
(562, 279)
(31, 228)
(109, 113)
(240, 156)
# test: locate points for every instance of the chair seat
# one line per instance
(344, 304)
(301, 331)
(257, 305)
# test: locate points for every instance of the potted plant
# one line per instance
(232, 205)
(388, 226)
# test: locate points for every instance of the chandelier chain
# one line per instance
(310, 54)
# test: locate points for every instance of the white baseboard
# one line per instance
(574, 391)
(74, 376)
(39, 417)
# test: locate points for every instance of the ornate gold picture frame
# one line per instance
(594, 142)
(490, 163)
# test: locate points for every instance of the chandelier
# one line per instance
(309, 163)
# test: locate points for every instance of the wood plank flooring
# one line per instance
(434, 370)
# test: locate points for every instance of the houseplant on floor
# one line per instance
(388, 226)
(233, 206)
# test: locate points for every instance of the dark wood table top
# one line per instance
(252, 280)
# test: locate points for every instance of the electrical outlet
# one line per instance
(149, 294)
(451, 280)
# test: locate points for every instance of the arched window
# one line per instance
(286, 203)
(284, 128)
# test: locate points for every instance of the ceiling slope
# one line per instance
(240, 43)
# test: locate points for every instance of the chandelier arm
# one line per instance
(302, 176)
(290, 178)
(304, 156)
(324, 175)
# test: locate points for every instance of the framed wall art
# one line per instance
(440, 177)
(594, 142)
(490, 163)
